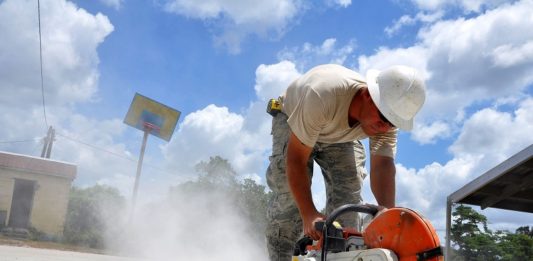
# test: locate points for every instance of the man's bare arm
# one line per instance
(382, 180)
(300, 184)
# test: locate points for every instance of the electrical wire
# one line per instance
(16, 141)
(97, 148)
(110, 152)
(41, 61)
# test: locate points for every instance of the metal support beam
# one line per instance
(139, 168)
(448, 229)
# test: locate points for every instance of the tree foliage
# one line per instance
(89, 215)
(474, 241)
(218, 179)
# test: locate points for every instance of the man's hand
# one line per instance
(309, 225)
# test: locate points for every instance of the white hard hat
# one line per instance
(398, 92)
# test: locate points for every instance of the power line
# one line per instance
(110, 152)
(97, 148)
(41, 60)
(16, 141)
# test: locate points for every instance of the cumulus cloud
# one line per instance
(271, 80)
(243, 139)
(69, 52)
(341, 3)
(215, 131)
(467, 60)
(116, 4)
(495, 133)
(468, 6)
(235, 20)
(309, 55)
(426, 134)
(69, 63)
(70, 38)
(488, 138)
(409, 20)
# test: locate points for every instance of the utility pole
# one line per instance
(48, 143)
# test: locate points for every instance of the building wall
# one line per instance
(50, 200)
(6, 193)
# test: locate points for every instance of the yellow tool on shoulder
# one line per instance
(273, 107)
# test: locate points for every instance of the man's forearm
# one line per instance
(297, 176)
(300, 186)
(382, 181)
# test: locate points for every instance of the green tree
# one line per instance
(474, 241)
(518, 246)
(525, 230)
(90, 213)
(217, 171)
(218, 179)
(253, 203)
(472, 236)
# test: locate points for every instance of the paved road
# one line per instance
(13, 253)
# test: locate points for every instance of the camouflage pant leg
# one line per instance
(343, 169)
(284, 226)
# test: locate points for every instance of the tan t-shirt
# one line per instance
(317, 105)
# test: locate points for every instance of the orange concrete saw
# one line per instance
(394, 234)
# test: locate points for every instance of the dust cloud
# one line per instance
(205, 225)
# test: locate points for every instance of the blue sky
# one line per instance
(219, 61)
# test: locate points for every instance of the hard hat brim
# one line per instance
(373, 89)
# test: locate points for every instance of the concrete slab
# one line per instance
(14, 253)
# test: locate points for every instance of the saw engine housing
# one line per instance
(395, 234)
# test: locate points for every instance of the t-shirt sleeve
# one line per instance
(308, 118)
(384, 144)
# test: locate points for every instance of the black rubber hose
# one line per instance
(367, 209)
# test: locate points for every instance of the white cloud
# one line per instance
(468, 6)
(408, 20)
(271, 80)
(213, 131)
(234, 20)
(489, 137)
(116, 4)
(69, 52)
(244, 139)
(496, 133)
(426, 133)
(309, 55)
(341, 3)
(509, 55)
(467, 60)
(70, 38)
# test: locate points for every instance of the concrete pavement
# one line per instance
(14, 253)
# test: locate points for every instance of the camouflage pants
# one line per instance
(342, 166)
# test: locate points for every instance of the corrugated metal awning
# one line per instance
(507, 186)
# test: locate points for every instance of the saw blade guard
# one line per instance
(405, 232)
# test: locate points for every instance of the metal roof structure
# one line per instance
(507, 186)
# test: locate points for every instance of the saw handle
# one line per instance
(366, 209)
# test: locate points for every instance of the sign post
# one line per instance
(154, 118)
